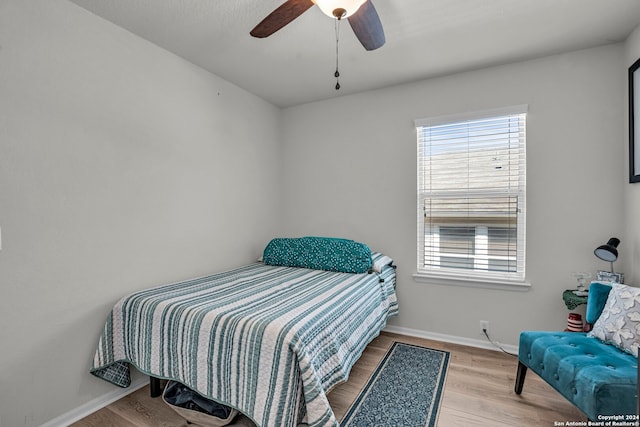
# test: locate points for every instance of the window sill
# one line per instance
(472, 282)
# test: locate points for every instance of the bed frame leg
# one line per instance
(522, 372)
(155, 388)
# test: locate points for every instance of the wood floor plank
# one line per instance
(454, 418)
(141, 409)
(478, 392)
(103, 418)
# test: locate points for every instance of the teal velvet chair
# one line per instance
(598, 378)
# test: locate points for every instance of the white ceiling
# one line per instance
(425, 38)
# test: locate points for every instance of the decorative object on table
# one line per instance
(574, 323)
(581, 277)
(405, 389)
(571, 300)
(605, 276)
(609, 251)
(634, 122)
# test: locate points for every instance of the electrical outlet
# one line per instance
(484, 325)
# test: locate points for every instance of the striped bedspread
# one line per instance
(268, 341)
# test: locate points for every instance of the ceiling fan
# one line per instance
(361, 14)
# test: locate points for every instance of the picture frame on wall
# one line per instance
(634, 122)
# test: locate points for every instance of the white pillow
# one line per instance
(619, 323)
(379, 261)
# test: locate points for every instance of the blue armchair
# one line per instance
(598, 378)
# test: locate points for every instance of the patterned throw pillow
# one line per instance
(320, 253)
(619, 323)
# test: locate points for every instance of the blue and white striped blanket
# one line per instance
(268, 341)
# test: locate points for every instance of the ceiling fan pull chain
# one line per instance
(337, 73)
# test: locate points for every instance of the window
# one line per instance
(471, 196)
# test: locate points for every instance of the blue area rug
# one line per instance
(404, 391)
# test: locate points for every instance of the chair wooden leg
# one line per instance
(521, 374)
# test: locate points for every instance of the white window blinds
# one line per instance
(471, 194)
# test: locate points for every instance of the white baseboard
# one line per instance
(485, 344)
(94, 405)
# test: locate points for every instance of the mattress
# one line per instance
(270, 341)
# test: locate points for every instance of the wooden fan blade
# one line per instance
(287, 12)
(367, 26)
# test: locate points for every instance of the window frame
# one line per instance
(470, 277)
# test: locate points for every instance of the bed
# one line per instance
(270, 338)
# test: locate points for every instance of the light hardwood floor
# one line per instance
(478, 392)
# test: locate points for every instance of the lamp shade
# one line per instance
(350, 6)
(608, 251)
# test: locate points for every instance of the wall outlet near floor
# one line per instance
(484, 325)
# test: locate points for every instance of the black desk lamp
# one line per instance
(608, 251)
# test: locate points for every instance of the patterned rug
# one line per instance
(404, 390)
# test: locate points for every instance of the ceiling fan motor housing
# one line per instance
(339, 8)
(339, 13)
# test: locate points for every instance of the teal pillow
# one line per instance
(319, 253)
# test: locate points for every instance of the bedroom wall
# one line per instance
(631, 191)
(122, 166)
(350, 170)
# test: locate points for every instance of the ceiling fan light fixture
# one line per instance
(329, 7)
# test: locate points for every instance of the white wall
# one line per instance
(350, 170)
(631, 191)
(121, 167)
